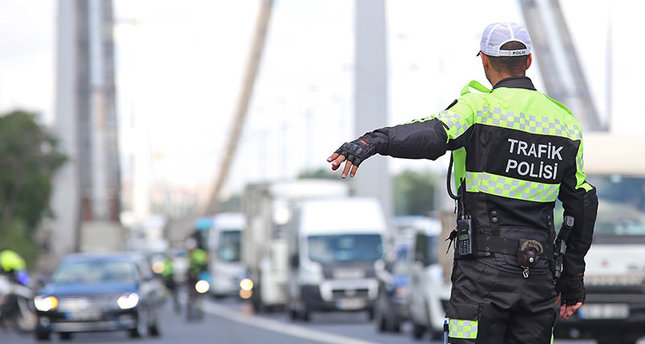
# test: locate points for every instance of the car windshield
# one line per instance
(229, 246)
(621, 205)
(327, 249)
(95, 272)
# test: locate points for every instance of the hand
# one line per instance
(567, 310)
(336, 160)
(353, 153)
(572, 290)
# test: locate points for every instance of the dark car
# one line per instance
(100, 292)
(392, 306)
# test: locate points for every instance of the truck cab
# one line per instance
(614, 309)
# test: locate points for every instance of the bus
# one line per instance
(224, 249)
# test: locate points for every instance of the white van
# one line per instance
(224, 246)
(333, 245)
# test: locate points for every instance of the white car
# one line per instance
(427, 290)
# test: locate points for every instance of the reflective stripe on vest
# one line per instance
(466, 329)
(535, 124)
(541, 125)
(510, 187)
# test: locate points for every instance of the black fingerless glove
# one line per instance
(571, 289)
(357, 151)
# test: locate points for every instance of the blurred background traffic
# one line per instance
(182, 146)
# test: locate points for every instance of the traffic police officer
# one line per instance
(515, 152)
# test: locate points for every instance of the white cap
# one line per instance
(497, 34)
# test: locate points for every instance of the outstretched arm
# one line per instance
(422, 139)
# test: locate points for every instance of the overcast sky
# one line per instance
(180, 64)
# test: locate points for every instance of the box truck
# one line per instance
(614, 309)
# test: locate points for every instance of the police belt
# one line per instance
(495, 244)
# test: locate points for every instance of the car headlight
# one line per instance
(45, 304)
(128, 301)
(246, 284)
(202, 286)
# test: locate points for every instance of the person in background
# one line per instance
(13, 266)
(168, 275)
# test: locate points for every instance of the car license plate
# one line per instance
(350, 304)
(83, 315)
(604, 311)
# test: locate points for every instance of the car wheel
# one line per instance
(43, 335)
(65, 336)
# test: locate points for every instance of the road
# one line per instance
(228, 321)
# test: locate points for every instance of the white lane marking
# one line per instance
(276, 326)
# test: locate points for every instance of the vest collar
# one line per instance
(516, 82)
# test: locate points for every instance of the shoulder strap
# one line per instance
(476, 85)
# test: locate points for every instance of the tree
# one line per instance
(30, 158)
(414, 192)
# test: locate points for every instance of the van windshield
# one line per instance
(621, 205)
(327, 249)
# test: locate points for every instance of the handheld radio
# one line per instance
(465, 247)
(463, 234)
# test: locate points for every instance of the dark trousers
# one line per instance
(489, 306)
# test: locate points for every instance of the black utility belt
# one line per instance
(495, 244)
(528, 251)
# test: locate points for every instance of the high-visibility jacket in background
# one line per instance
(11, 261)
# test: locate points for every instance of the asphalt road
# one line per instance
(229, 321)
